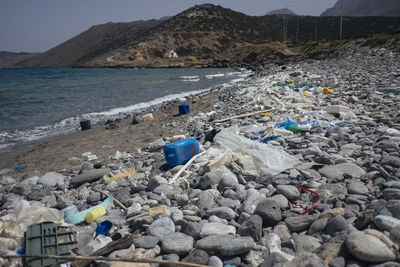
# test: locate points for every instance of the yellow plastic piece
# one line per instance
(115, 177)
(196, 98)
(95, 213)
(306, 94)
(327, 91)
(266, 114)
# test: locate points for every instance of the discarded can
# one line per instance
(181, 151)
(184, 109)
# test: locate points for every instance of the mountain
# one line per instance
(91, 43)
(204, 35)
(9, 59)
(389, 8)
(282, 11)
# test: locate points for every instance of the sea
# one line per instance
(37, 103)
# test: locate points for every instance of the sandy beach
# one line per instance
(65, 151)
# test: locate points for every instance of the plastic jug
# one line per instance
(184, 109)
(181, 151)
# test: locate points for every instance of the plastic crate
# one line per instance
(47, 238)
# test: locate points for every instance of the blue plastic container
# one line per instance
(180, 152)
(184, 109)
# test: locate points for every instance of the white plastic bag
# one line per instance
(269, 159)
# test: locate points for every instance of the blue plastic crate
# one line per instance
(184, 109)
(180, 152)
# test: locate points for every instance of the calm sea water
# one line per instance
(41, 102)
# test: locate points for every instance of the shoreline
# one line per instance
(38, 154)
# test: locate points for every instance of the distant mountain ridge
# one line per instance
(282, 11)
(204, 35)
(390, 8)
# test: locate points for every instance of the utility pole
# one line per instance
(316, 30)
(341, 20)
(284, 34)
(297, 30)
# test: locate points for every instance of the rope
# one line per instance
(312, 192)
(98, 258)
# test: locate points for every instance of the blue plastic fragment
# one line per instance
(266, 140)
(104, 227)
(20, 168)
(21, 251)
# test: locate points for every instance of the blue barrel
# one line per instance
(180, 152)
(184, 109)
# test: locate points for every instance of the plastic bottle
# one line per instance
(95, 213)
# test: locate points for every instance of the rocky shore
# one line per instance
(309, 177)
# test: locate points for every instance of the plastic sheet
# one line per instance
(27, 214)
(269, 159)
(80, 217)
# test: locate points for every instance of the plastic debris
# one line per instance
(121, 175)
(80, 216)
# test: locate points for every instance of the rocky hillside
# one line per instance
(389, 8)
(9, 59)
(204, 35)
(282, 11)
(91, 43)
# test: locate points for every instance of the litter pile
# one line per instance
(297, 167)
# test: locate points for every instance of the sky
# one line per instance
(39, 25)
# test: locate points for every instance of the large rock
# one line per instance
(337, 171)
(391, 194)
(162, 227)
(300, 223)
(369, 248)
(216, 228)
(289, 191)
(269, 211)
(197, 256)
(222, 212)
(226, 245)
(305, 243)
(89, 176)
(177, 243)
(336, 224)
(146, 242)
(357, 187)
(386, 223)
(252, 227)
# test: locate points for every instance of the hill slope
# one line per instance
(93, 42)
(202, 35)
(389, 8)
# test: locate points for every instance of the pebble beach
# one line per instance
(323, 192)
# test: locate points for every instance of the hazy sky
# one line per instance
(38, 25)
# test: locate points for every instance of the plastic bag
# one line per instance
(27, 214)
(267, 158)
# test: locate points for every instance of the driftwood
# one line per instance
(173, 179)
(99, 258)
(115, 200)
(245, 115)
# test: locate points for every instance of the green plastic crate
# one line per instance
(47, 238)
